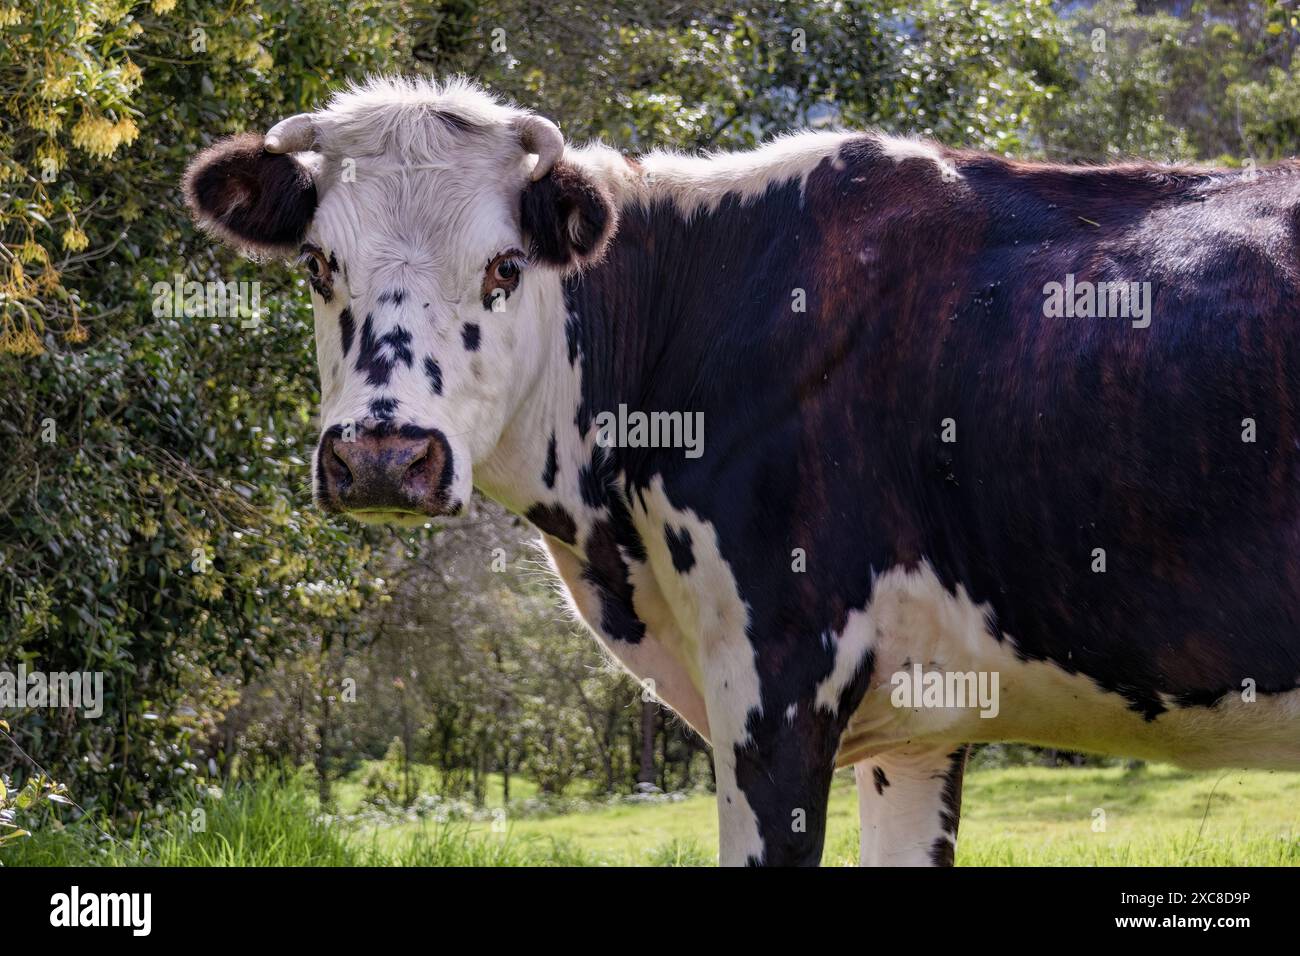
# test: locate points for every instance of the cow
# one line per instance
(829, 438)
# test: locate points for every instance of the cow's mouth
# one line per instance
(403, 519)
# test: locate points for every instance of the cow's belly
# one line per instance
(913, 619)
(663, 660)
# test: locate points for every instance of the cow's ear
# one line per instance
(261, 203)
(567, 216)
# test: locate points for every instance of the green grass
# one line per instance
(348, 793)
(1011, 817)
(1157, 816)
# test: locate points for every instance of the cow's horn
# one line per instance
(297, 134)
(540, 136)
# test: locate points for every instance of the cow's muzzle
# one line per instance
(385, 473)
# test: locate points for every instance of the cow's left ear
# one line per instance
(257, 201)
(568, 216)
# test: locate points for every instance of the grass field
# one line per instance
(1011, 817)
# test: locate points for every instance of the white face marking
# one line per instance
(414, 208)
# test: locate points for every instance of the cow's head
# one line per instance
(432, 223)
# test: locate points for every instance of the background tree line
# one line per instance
(155, 523)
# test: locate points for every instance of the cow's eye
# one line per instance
(505, 267)
(314, 258)
(502, 278)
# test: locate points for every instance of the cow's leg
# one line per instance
(909, 802)
(773, 777)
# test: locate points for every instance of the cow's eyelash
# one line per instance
(319, 266)
(515, 257)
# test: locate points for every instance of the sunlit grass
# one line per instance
(1011, 817)
(1155, 816)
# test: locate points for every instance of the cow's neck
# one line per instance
(546, 465)
(641, 330)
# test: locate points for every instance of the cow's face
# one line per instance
(431, 241)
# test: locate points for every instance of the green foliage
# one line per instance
(662, 74)
(37, 790)
(153, 524)
(154, 518)
(1211, 81)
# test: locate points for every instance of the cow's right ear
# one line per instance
(259, 202)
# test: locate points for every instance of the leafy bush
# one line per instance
(152, 521)
(154, 525)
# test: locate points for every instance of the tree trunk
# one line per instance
(480, 773)
(663, 760)
(323, 744)
(407, 797)
(649, 710)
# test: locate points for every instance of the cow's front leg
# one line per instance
(909, 802)
(773, 769)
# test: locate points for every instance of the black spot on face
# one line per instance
(383, 408)
(394, 296)
(469, 334)
(347, 328)
(553, 520)
(879, 779)
(434, 373)
(552, 466)
(679, 546)
(377, 356)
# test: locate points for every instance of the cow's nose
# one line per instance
(385, 470)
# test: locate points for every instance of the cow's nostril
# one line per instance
(419, 478)
(336, 471)
(334, 450)
(386, 471)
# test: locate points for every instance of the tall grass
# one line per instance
(276, 823)
(271, 824)
(1013, 817)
